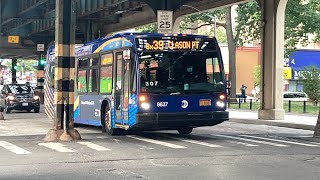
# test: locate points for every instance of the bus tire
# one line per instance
(186, 130)
(107, 123)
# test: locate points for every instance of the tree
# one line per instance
(311, 82)
(257, 75)
(149, 28)
(302, 18)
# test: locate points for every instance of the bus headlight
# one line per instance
(220, 104)
(145, 106)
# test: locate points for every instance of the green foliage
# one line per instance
(248, 22)
(221, 35)
(311, 82)
(257, 75)
(205, 17)
(149, 28)
(27, 65)
(301, 19)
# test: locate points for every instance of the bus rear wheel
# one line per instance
(107, 124)
(186, 130)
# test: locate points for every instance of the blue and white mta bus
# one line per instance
(146, 81)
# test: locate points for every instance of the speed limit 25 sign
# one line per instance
(165, 20)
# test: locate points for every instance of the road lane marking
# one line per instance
(193, 141)
(243, 143)
(315, 143)
(56, 146)
(94, 146)
(251, 140)
(13, 148)
(156, 142)
(278, 140)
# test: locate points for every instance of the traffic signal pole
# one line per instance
(63, 127)
(14, 71)
(40, 76)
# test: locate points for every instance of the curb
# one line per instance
(273, 123)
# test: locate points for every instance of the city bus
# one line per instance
(146, 81)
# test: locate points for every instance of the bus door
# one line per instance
(122, 89)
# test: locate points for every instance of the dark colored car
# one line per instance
(18, 97)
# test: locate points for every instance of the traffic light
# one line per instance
(42, 62)
(15, 67)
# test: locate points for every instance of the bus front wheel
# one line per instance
(186, 130)
(107, 124)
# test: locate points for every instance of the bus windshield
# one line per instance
(172, 73)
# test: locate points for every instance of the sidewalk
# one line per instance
(297, 121)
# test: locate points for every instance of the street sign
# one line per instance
(165, 20)
(40, 47)
(13, 39)
(287, 73)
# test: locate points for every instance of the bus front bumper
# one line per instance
(177, 120)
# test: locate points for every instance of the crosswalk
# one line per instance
(160, 140)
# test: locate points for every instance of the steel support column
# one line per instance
(1, 17)
(273, 12)
(64, 73)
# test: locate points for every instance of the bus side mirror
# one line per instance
(228, 87)
(126, 54)
(51, 82)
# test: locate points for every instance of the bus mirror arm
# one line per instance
(228, 87)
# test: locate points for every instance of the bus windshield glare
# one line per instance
(180, 72)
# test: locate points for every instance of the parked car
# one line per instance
(18, 97)
(295, 96)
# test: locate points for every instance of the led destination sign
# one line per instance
(176, 44)
(172, 45)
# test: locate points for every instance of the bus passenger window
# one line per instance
(93, 80)
(94, 61)
(82, 81)
(106, 79)
(106, 73)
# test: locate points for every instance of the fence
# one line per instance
(289, 105)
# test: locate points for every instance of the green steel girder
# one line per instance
(30, 17)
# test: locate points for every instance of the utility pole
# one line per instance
(63, 127)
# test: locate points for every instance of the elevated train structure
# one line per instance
(33, 21)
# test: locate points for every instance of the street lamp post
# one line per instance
(210, 16)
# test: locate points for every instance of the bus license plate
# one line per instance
(24, 104)
(205, 102)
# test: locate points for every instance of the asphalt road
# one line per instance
(226, 151)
